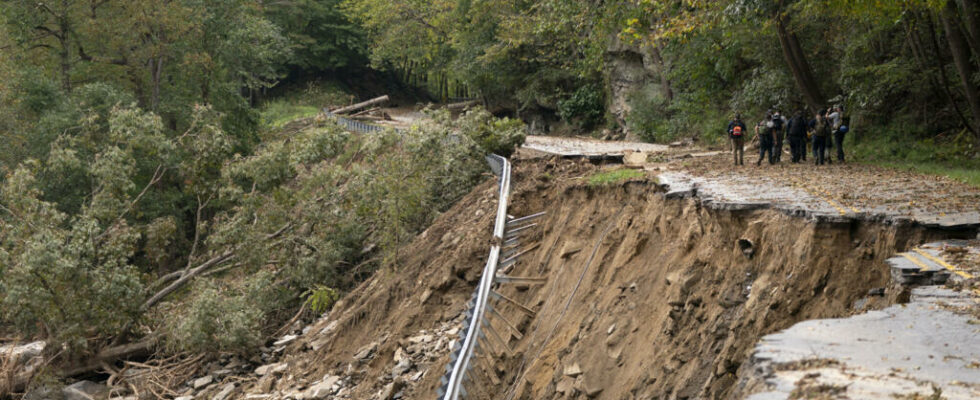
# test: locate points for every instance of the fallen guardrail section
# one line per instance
(476, 326)
(355, 126)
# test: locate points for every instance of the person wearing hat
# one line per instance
(764, 130)
(736, 135)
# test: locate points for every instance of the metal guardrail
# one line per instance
(476, 324)
(459, 365)
(356, 126)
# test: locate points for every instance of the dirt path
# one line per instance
(567, 146)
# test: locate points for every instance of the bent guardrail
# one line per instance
(476, 326)
(462, 354)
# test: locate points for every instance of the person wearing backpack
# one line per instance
(764, 131)
(796, 133)
(736, 134)
(821, 132)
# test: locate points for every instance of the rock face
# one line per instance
(630, 69)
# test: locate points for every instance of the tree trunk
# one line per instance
(971, 15)
(156, 69)
(961, 58)
(796, 60)
(18, 382)
(919, 52)
(664, 80)
(358, 106)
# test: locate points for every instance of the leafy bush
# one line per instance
(584, 108)
(320, 298)
(648, 115)
(216, 319)
(38, 93)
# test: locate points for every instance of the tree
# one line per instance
(959, 47)
(322, 36)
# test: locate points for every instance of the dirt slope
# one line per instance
(648, 296)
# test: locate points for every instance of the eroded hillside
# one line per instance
(647, 296)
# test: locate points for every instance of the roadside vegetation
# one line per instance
(952, 157)
(604, 178)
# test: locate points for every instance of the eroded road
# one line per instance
(926, 347)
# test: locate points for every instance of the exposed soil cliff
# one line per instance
(647, 296)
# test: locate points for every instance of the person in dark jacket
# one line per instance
(736, 134)
(796, 133)
(765, 133)
(778, 134)
(821, 132)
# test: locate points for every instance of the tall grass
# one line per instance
(953, 155)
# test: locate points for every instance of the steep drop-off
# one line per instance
(646, 297)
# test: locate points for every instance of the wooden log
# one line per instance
(462, 105)
(17, 382)
(364, 112)
(364, 104)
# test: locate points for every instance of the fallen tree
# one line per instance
(13, 381)
(358, 106)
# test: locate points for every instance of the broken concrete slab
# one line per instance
(895, 352)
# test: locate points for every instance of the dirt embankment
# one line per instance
(647, 296)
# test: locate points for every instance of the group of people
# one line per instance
(825, 130)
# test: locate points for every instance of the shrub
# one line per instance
(584, 108)
(216, 319)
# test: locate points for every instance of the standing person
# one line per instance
(839, 123)
(736, 135)
(764, 131)
(821, 132)
(796, 133)
(778, 134)
(829, 120)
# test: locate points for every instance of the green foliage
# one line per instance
(320, 298)
(322, 36)
(606, 178)
(277, 113)
(61, 273)
(584, 107)
(217, 319)
(492, 135)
